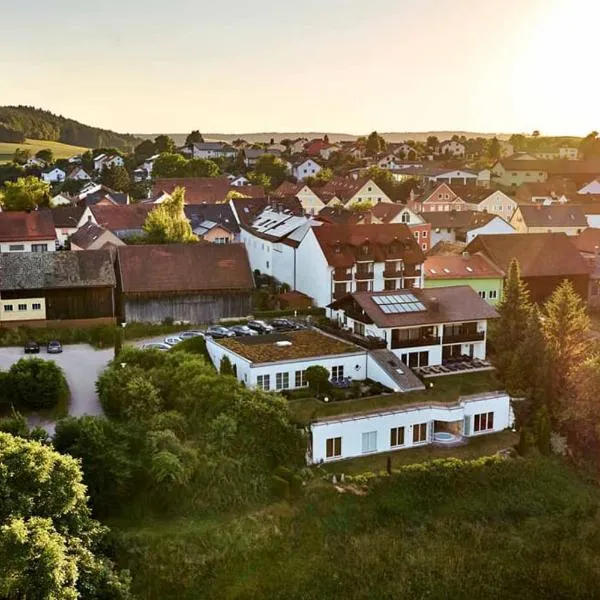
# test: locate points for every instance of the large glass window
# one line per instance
(419, 433)
(333, 447)
(282, 381)
(369, 442)
(483, 422)
(396, 436)
(263, 382)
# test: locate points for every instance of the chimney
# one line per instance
(434, 305)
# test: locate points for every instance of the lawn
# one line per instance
(445, 389)
(60, 150)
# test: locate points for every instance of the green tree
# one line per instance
(144, 150)
(201, 167)
(168, 224)
(195, 137)
(141, 399)
(259, 179)
(375, 144)
(116, 178)
(274, 168)
(21, 155)
(169, 165)
(318, 379)
(432, 142)
(164, 144)
(27, 193)
(590, 145)
(46, 155)
(225, 368)
(566, 328)
(48, 542)
(36, 383)
(385, 180)
(493, 150)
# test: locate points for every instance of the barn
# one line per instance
(196, 283)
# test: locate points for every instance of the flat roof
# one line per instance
(295, 345)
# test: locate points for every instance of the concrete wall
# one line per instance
(23, 309)
(481, 286)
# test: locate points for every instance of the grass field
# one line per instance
(60, 150)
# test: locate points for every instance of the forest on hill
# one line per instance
(20, 122)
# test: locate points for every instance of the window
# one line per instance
(416, 234)
(36, 306)
(482, 294)
(484, 422)
(405, 218)
(419, 433)
(396, 436)
(333, 447)
(424, 234)
(369, 442)
(221, 240)
(267, 264)
(16, 247)
(359, 328)
(337, 372)
(22, 306)
(282, 381)
(424, 246)
(39, 247)
(493, 294)
(263, 382)
(8, 307)
(300, 379)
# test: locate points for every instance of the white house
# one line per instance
(498, 203)
(327, 151)
(348, 191)
(389, 161)
(54, 175)
(464, 226)
(211, 150)
(27, 232)
(68, 219)
(35, 162)
(238, 180)
(593, 187)
(452, 147)
(568, 152)
(78, 174)
(102, 161)
(353, 435)
(305, 168)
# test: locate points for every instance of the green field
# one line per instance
(60, 150)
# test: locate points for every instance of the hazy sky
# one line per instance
(327, 65)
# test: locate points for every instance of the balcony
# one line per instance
(337, 294)
(342, 275)
(464, 337)
(390, 273)
(370, 342)
(415, 342)
(361, 275)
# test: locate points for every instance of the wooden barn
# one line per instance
(197, 283)
(52, 286)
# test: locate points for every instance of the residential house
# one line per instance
(124, 221)
(194, 283)
(35, 162)
(546, 260)
(297, 146)
(348, 191)
(314, 147)
(454, 176)
(387, 212)
(405, 152)
(555, 190)
(305, 168)
(93, 237)
(389, 161)
(27, 231)
(421, 327)
(238, 180)
(591, 210)
(210, 150)
(313, 199)
(78, 174)
(97, 194)
(588, 244)
(327, 151)
(102, 161)
(251, 156)
(452, 148)
(441, 198)
(57, 286)
(205, 190)
(463, 226)
(568, 218)
(511, 172)
(54, 175)
(593, 187)
(568, 152)
(214, 223)
(474, 270)
(67, 220)
(63, 199)
(496, 202)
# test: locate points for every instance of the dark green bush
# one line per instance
(280, 488)
(36, 383)
(296, 485)
(283, 472)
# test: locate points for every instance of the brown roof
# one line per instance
(555, 215)
(343, 187)
(458, 219)
(205, 190)
(88, 233)
(67, 216)
(121, 218)
(442, 305)
(554, 187)
(338, 215)
(341, 244)
(539, 254)
(471, 193)
(184, 268)
(247, 209)
(590, 166)
(444, 248)
(386, 211)
(459, 266)
(588, 241)
(287, 188)
(26, 226)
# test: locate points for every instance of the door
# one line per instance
(471, 350)
(369, 442)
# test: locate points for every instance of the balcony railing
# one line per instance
(416, 342)
(341, 275)
(393, 273)
(466, 336)
(370, 343)
(340, 294)
(363, 275)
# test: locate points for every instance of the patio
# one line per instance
(459, 364)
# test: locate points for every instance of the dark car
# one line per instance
(260, 326)
(54, 347)
(283, 325)
(243, 330)
(31, 347)
(218, 332)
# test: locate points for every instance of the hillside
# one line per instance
(59, 150)
(38, 124)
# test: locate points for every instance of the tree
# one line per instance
(164, 144)
(432, 142)
(385, 180)
(566, 329)
(535, 133)
(274, 168)
(27, 193)
(493, 150)
(48, 541)
(375, 144)
(168, 224)
(361, 207)
(144, 150)
(259, 179)
(590, 145)
(169, 165)
(46, 155)
(202, 167)
(21, 155)
(225, 368)
(36, 383)
(318, 379)
(195, 137)
(116, 178)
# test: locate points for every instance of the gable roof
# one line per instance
(588, 241)
(460, 266)
(53, 270)
(247, 209)
(104, 193)
(554, 187)
(457, 219)
(345, 188)
(22, 226)
(67, 216)
(87, 234)
(205, 190)
(539, 254)
(555, 215)
(122, 218)
(184, 268)
(221, 214)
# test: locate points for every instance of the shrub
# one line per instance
(283, 473)
(36, 383)
(225, 368)
(296, 485)
(280, 487)
(318, 379)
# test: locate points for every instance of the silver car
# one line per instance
(156, 346)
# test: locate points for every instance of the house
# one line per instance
(554, 190)
(463, 225)
(305, 168)
(546, 260)
(568, 152)
(313, 199)
(35, 162)
(405, 152)
(386, 212)
(57, 286)
(593, 187)
(297, 146)
(441, 198)
(349, 191)
(124, 221)
(214, 223)
(588, 244)
(389, 161)
(568, 218)
(93, 237)
(251, 156)
(452, 148)
(205, 190)
(96, 194)
(62, 199)
(67, 220)
(453, 176)
(474, 270)
(210, 150)
(327, 151)
(421, 327)
(511, 172)
(195, 283)
(238, 180)
(315, 147)
(54, 175)
(102, 161)
(148, 164)
(27, 231)
(352, 435)
(496, 202)
(591, 210)
(78, 174)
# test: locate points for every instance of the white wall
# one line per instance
(498, 203)
(442, 234)
(6, 246)
(351, 428)
(496, 225)
(309, 168)
(313, 274)
(593, 220)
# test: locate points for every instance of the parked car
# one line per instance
(283, 325)
(186, 335)
(172, 340)
(31, 347)
(243, 330)
(156, 346)
(54, 347)
(260, 326)
(218, 332)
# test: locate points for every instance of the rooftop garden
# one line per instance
(302, 344)
(445, 389)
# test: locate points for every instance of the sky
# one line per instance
(345, 66)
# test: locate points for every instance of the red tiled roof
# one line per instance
(26, 226)
(205, 190)
(386, 211)
(458, 266)
(555, 215)
(588, 241)
(184, 268)
(344, 187)
(118, 218)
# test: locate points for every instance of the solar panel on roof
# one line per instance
(399, 303)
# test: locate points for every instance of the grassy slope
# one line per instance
(60, 150)
(511, 529)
